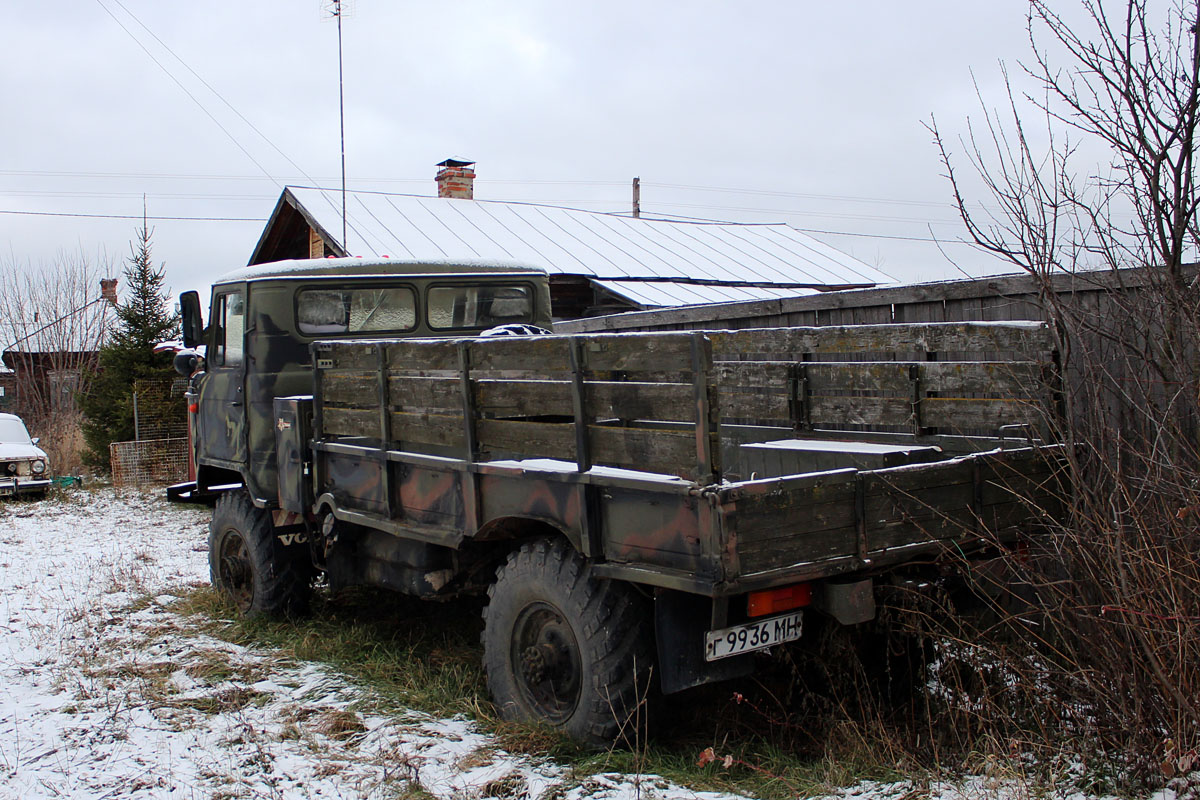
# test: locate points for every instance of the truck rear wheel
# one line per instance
(245, 561)
(564, 647)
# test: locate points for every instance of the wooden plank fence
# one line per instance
(992, 299)
(1101, 299)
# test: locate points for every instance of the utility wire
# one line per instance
(217, 94)
(131, 216)
(196, 100)
(184, 89)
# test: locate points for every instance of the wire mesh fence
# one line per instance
(149, 461)
(158, 453)
(159, 408)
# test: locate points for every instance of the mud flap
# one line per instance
(680, 622)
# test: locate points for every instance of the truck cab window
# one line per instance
(378, 309)
(231, 327)
(479, 307)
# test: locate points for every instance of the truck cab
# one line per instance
(263, 318)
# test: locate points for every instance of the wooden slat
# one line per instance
(991, 378)
(859, 411)
(645, 353)
(897, 533)
(934, 502)
(357, 389)
(801, 515)
(548, 354)
(349, 422)
(754, 404)
(762, 555)
(422, 354)
(669, 452)
(774, 374)
(605, 399)
(644, 449)
(635, 400)
(873, 376)
(908, 479)
(410, 393)
(910, 338)
(1037, 487)
(407, 428)
(349, 355)
(984, 414)
(437, 429)
(524, 398)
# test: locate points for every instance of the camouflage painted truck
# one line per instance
(646, 506)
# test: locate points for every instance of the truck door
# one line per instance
(221, 416)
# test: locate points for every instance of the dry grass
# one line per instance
(339, 724)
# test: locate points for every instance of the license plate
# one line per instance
(753, 636)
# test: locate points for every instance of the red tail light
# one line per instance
(773, 601)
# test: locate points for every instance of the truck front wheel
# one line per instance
(246, 562)
(564, 647)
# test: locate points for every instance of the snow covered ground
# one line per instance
(106, 693)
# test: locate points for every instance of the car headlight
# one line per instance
(38, 467)
(12, 468)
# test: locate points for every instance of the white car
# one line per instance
(24, 468)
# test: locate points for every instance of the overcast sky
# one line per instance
(769, 111)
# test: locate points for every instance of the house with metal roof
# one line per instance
(598, 263)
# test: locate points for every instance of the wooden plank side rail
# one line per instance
(536, 397)
(952, 396)
(578, 397)
(1024, 339)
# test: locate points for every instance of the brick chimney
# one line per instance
(108, 289)
(456, 178)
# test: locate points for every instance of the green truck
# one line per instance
(637, 507)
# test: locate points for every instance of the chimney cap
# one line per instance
(455, 162)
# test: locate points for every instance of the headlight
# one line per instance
(38, 467)
(12, 468)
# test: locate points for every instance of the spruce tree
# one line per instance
(143, 320)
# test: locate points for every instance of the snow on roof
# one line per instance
(366, 266)
(658, 295)
(617, 250)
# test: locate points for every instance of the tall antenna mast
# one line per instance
(336, 11)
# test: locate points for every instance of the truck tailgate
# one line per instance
(808, 526)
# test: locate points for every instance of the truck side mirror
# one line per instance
(187, 362)
(193, 325)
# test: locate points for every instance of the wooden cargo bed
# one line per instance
(711, 461)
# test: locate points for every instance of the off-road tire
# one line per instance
(248, 563)
(565, 647)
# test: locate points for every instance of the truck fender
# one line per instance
(520, 528)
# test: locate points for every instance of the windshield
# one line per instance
(12, 431)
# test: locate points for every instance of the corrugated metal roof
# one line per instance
(664, 295)
(622, 252)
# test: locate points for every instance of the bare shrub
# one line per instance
(62, 438)
(52, 323)
(1106, 660)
